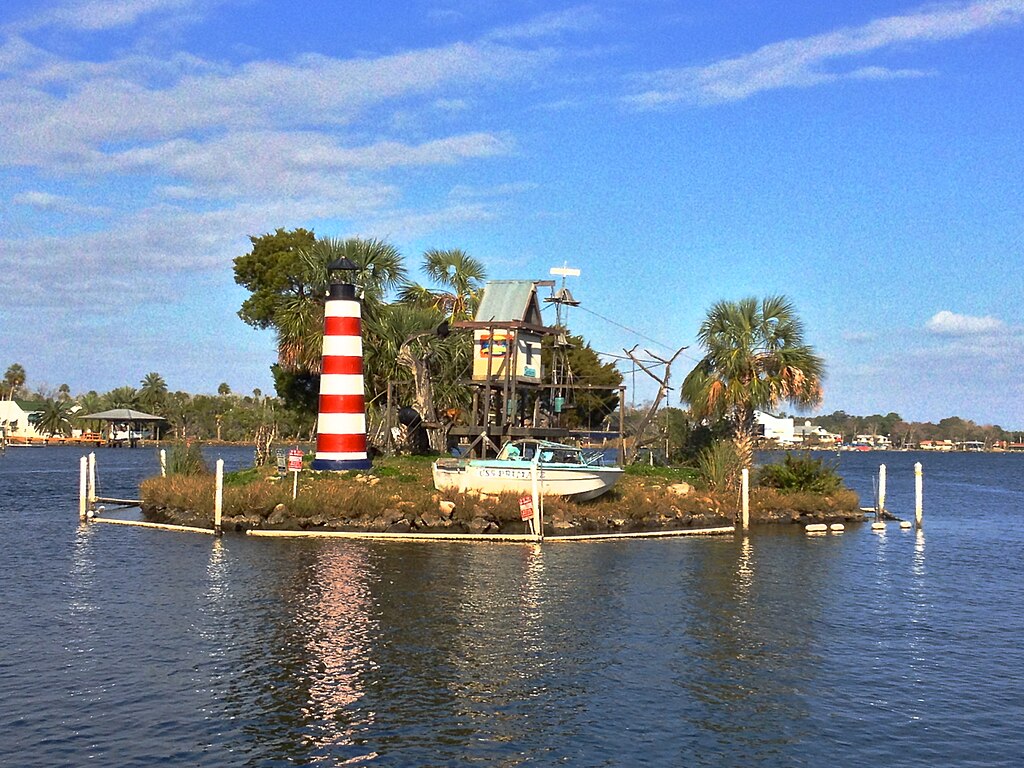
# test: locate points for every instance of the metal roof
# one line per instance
(508, 301)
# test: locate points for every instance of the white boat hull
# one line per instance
(494, 477)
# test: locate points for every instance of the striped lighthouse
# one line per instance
(341, 422)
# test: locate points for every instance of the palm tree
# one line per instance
(461, 280)
(14, 380)
(55, 418)
(153, 394)
(300, 318)
(122, 397)
(755, 358)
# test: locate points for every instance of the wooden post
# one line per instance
(92, 481)
(746, 498)
(622, 426)
(881, 491)
(83, 479)
(218, 498)
(919, 494)
(163, 462)
(389, 438)
(538, 519)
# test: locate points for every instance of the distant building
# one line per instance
(776, 429)
(17, 419)
(783, 431)
(813, 434)
(880, 442)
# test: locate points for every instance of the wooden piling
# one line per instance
(218, 499)
(745, 494)
(83, 481)
(92, 480)
(918, 494)
(881, 489)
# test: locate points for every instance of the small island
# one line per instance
(397, 496)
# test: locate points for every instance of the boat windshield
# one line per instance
(517, 452)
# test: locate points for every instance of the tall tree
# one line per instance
(14, 380)
(272, 271)
(755, 358)
(122, 397)
(458, 279)
(152, 395)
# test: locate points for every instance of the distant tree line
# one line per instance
(224, 416)
(902, 432)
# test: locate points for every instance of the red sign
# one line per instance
(526, 508)
(295, 460)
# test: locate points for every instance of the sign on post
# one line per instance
(282, 462)
(295, 466)
(525, 508)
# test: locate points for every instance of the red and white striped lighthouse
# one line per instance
(341, 422)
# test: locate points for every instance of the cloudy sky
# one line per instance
(864, 160)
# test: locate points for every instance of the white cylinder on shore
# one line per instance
(745, 499)
(341, 420)
(918, 494)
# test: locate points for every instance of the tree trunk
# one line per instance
(423, 395)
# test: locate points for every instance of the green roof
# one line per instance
(510, 301)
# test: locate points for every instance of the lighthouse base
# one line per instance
(340, 465)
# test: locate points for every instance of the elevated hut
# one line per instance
(508, 378)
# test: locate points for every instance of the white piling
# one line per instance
(881, 490)
(218, 499)
(163, 462)
(83, 480)
(92, 480)
(919, 494)
(538, 518)
(745, 494)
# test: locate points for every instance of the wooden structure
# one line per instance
(508, 377)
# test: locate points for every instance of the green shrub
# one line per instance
(804, 474)
(186, 458)
(719, 466)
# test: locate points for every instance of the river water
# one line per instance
(133, 647)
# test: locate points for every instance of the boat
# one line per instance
(562, 470)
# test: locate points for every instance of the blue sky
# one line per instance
(864, 159)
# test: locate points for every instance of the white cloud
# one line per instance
(47, 201)
(952, 324)
(550, 25)
(805, 62)
(100, 15)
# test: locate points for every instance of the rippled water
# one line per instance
(123, 646)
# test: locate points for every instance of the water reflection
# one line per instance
(338, 659)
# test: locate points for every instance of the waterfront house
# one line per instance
(18, 417)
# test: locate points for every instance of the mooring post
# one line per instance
(218, 498)
(83, 479)
(745, 495)
(918, 494)
(163, 462)
(92, 480)
(881, 491)
(538, 496)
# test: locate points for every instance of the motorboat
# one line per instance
(561, 470)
